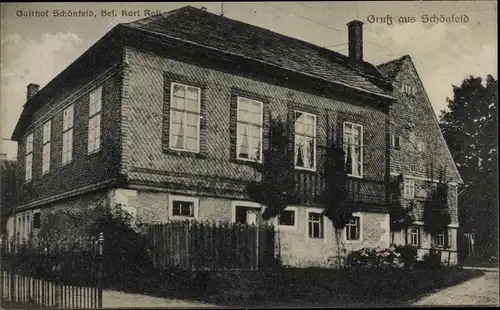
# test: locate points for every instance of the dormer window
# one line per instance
(408, 89)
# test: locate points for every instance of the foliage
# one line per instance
(276, 190)
(470, 129)
(408, 254)
(338, 207)
(377, 258)
(436, 215)
(127, 256)
(432, 260)
(401, 217)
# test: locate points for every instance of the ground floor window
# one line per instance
(288, 218)
(440, 240)
(316, 226)
(183, 207)
(247, 215)
(414, 236)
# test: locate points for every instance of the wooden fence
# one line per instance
(61, 275)
(191, 245)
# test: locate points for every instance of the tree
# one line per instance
(276, 190)
(469, 126)
(436, 214)
(400, 215)
(337, 203)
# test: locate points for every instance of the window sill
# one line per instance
(288, 227)
(249, 160)
(184, 153)
(93, 152)
(353, 241)
(180, 217)
(355, 176)
(305, 169)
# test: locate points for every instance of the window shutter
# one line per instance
(448, 238)
(423, 235)
(203, 122)
(266, 121)
(291, 130)
(232, 125)
(166, 113)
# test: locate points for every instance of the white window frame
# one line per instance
(261, 125)
(246, 204)
(95, 112)
(360, 240)
(28, 163)
(46, 137)
(194, 200)
(395, 138)
(409, 188)
(421, 146)
(361, 146)
(295, 211)
(68, 131)
(411, 234)
(314, 140)
(198, 114)
(325, 230)
(438, 238)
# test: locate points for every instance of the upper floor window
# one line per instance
(421, 146)
(94, 135)
(67, 143)
(28, 173)
(249, 130)
(46, 146)
(305, 140)
(185, 118)
(409, 189)
(408, 89)
(395, 141)
(353, 148)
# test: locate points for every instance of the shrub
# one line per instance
(375, 258)
(408, 254)
(432, 260)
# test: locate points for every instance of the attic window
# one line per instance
(408, 89)
(395, 141)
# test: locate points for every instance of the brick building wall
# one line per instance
(83, 170)
(145, 162)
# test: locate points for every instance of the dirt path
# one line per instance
(114, 299)
(482, 291)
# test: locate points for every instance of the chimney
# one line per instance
(32, 90)
(355, 36)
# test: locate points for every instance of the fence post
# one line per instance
(58, 274)
(12, 277)
(100, 270)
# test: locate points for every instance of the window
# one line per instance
(249, 130)
(46, 147)
(420, 146)
(29, 158)
(315, 225)
(353, 229)
(409, 189)
(36, 220)
(247, 215)
(305, 140)
(414, 236)
(288, 218)
(94, 136)
(183, 207)
(395, 141)
(408, 89)
(185, 118)
(353, 148)
(440, 240)
(67, 144)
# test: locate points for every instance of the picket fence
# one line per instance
(52, 275)
(192, 245)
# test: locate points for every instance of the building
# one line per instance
(419, 152)
(168, 117)
(7, 191)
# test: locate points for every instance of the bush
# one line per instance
(432, 260)
(375, 258)
(408, 254)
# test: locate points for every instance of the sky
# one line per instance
(36, 49)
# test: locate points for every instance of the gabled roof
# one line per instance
(211, 31)
(238, 38)
(391, 68)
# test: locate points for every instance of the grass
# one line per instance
(307, 287)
